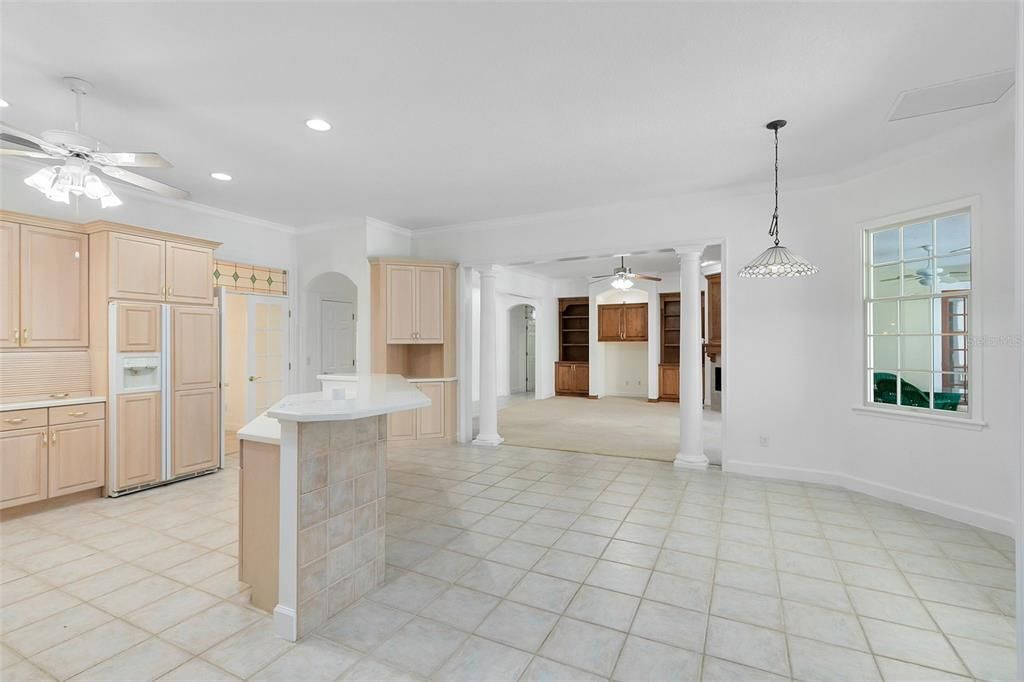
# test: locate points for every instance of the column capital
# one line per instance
(689, 251)
(487, 270)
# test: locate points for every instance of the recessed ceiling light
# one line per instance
(224, 177)
(3, 103)
(318, 124)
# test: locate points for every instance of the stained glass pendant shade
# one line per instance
(777, 260)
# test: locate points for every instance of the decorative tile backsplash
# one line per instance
(250, 279)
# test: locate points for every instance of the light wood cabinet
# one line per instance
(622, 322)
(415, 303)
(430, 421)
(402, 425)
(136, 267)
(138, 327)
(572, 378)
(138, 439)
(189, 274)
(54, 288)
(144, 268)
(23, 466)
(10, 283)
(76, 457)
(22, 419)
(195, 338)
(195, 436)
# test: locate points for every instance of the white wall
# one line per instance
(792, 350)
(387, 240)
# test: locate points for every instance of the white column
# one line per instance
(488, 434)
(691, 403)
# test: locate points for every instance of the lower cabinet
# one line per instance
(52, 460)
(572, 378)
(138, 439)
(425, 422)
(23, 466)
(195, 437)
(76, 457)
(668, 382)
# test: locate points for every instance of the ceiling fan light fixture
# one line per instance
(4, 103)
(110, 201)
(777, 260)
(223, 177)
(622, 283)
(42, 179)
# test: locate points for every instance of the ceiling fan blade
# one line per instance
(25, 152)
(962, 248)
(136, 159)
(144, 182)
(598, 278)
(20, 137)
(647, 277)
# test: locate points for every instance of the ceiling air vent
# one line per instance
(961, 94)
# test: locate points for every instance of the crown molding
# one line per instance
(388, 227)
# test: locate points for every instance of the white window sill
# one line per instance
(921, 417)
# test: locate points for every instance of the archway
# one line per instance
(329, 328)
(522, 350)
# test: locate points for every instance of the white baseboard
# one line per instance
(950, 510)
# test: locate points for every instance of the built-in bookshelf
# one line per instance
(574, 329)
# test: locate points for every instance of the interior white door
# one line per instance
(337, 337)
(267, 357)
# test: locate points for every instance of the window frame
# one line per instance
(972, 417)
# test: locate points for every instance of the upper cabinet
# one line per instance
(189, 274)
(143, 267)
(10, 284)
(44, 287)
(622, 322)
(136, 268)
(415, 303)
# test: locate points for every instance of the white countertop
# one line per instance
(262, 429)
(338, 378)
(52, 402)
(363, 395)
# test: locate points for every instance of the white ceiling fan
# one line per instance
(79, 154)
(926, 275)
(622, 277)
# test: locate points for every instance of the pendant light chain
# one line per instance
(773, 231)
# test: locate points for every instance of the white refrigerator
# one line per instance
(164, 408)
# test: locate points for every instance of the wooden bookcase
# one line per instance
(669, 308)
(572, 371)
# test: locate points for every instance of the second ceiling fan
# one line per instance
(622, 277)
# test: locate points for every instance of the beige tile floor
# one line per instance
(513, 563)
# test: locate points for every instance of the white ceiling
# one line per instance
(458, 112)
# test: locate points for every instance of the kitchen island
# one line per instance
(312, 498)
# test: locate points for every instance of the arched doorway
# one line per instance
(329, 327)
(522, 347)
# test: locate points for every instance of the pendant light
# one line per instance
(777, 260)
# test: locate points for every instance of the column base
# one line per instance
(491, 441)
(286, 625)
(697, 461)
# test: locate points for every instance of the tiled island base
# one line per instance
(335, 551)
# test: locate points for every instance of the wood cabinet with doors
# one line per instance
(713, 340)
(622, 322)
(47, 453)
(138, 439)
(670, 310)
(425, 422)
(572, 378)
(412, 333)
(195, 434)
(44, 286)
(415, 303)
(195, 389)
(195, 344)
(147, 265)
(138, 327)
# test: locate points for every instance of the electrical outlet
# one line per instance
(764, 441)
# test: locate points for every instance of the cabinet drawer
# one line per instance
(76, 413)
(22, 419)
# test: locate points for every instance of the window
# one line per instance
(916, 306)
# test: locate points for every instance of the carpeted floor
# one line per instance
(624, 427)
